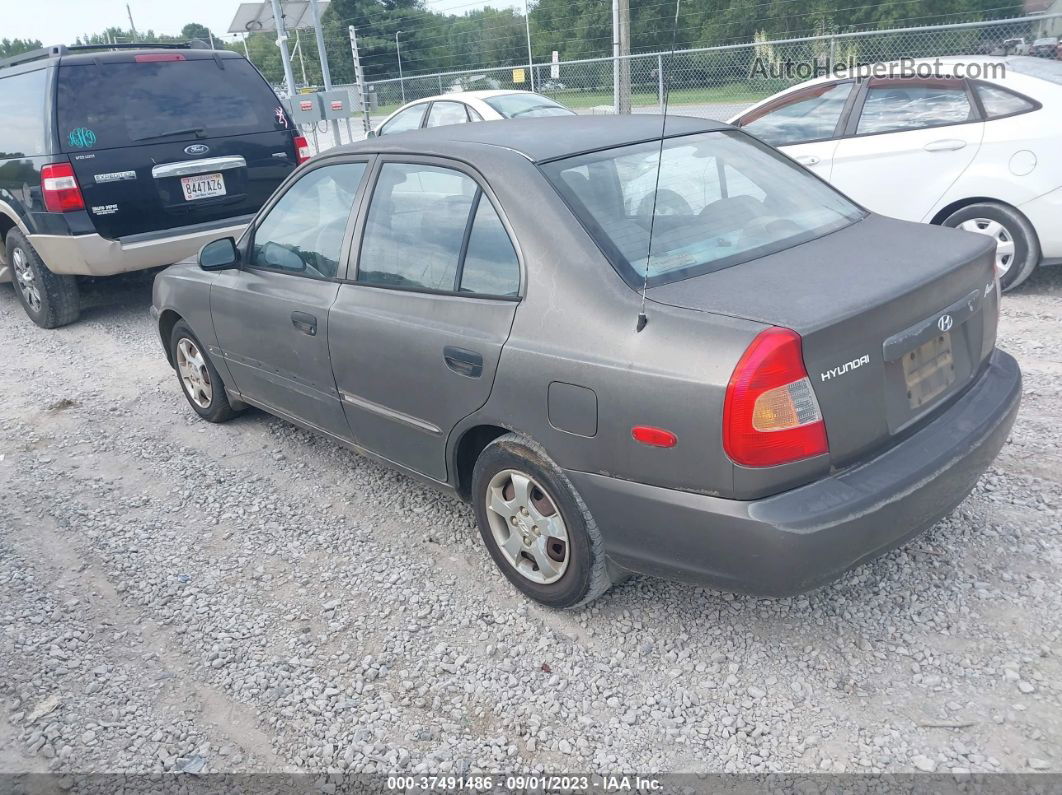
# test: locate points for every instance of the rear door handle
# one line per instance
(808, 160)
(305, 323)
(463, 362)
(945, 145)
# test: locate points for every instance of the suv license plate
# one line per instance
(203, 186)
(929, 369)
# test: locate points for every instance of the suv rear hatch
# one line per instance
(895, 319)
(168, 139)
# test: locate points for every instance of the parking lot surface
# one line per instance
(178, 595)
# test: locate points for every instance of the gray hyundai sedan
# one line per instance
(725, 372)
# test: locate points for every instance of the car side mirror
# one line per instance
(370, 134)
(219, 255)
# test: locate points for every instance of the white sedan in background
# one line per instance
(980, 154)
(465, 106)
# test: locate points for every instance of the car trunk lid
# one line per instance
(895, 318)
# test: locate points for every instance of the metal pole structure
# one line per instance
(624, 57)
(282, 43)
(132, 26)
(322, 53)
(302, 61)
(401, 79)
(660, 81)
(246, 51)
(530, 58)
(615, 57)
(359, 77)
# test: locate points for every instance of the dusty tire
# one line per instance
(199, 380)
(584, 573)
(49, 299)
(1013, 232)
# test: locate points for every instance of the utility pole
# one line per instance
(401, 80)
(302, 61)
(359, 77)
(246, 51)
(132, 26)
(530, 58)
(621, 10)
(282, 43)
(322, 53)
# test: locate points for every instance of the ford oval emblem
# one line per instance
(196, 149)
(945, 322)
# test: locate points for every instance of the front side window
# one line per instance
(443, 113)
(723, 199)
(808, 115)
(418, 234)
(894, 104)
(408, 119)
(513, 106)
(303, 232)
(999, 102)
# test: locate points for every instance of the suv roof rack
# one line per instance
(63, 49)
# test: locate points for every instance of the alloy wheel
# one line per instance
(527, 526)
(27, 282)
(1002, 236)
(194, 373)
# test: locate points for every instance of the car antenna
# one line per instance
(642, 319)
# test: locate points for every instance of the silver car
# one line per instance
(759, 389)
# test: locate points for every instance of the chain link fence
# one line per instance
(719, 82)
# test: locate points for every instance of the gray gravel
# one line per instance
(181, 596)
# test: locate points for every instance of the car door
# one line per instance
(907, 142)
(418, 326)
(271, 315)
(804, 123)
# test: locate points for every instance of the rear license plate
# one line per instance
(203, 186)
(929, 370)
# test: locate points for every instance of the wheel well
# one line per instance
(469, 447)
(167, 320)
(958, 205)
(6, 225)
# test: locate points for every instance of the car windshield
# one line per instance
(723, 199)
(513, 106)
(119, 103)
(1038, 67)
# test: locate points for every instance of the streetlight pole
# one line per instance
(401, 80)
(530, 58)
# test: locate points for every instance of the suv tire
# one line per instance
(200, 381)
(1007, 225)
(49, 299)
(577, 572)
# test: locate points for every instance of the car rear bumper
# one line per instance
(797, 540)
(93, 255)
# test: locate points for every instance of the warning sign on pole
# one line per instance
(519, 75)
(554, 68)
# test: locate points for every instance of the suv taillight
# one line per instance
(302, 149)
(60, 189)
(770, 415)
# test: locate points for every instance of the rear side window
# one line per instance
(408, 119)
(443, 113)
(808, 115)
(893, 105)
(999, 102)
(117, 104)
(24, 125)
(431, 228)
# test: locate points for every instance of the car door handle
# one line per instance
(305, 323)
(945, 145)
(808, 160)
(463, 362)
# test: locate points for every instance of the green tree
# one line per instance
(12, 47)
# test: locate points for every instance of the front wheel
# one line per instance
(536, 526)
(200, 381)
(1017, 247)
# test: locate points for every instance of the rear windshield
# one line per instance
(513, 106)
(1038, 67)
(116, 104)
(723, 199)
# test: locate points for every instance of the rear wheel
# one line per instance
(536, 526)
(49, 299)
(200, 381)
(1017, 247)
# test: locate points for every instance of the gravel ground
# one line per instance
(176, 595)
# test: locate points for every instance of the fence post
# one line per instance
(440, 84)
(833, 53)
(660, 81)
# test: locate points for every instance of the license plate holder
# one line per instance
(929, 370)
(203, 186)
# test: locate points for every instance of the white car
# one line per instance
(982, 154)
(465, 106)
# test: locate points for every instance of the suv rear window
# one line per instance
(121, 103)
(723, 199)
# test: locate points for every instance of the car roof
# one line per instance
(538, 139)
(485, 94)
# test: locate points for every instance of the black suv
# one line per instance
(119, 158)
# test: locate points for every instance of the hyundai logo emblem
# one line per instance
(196, 149)
(945, 322)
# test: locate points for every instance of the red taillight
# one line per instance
(60, 189)
(654, 437)
(156, 57)
(771, 416)
(302, 149)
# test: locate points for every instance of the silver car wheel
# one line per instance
(1002, 236)
(25, 279)
(527, 526)
(194, 374)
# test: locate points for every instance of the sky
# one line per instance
(62, 21)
